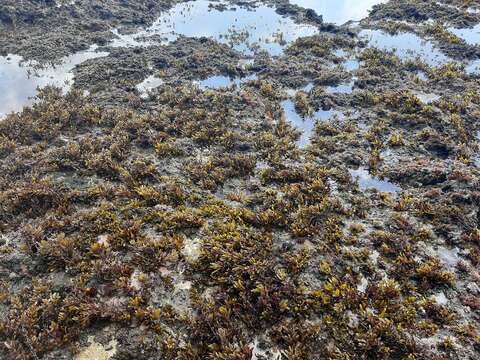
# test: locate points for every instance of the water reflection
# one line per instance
(421, 75)
(306, 125)
(471, 36)
(473, 68)
(293, 92)
(212, 82)
(406, 46)
(350, 63)
(339, 11)
(19, 81)
(367, 181)
(307, 88)
(344, 88)
(219, 81)
(326, 115)
(242, 28)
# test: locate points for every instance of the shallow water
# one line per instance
(325, 115)
(349, 63)
(344, 88)
(293, 92)
(471, 36)
(244, 29)
(339, 11)
(212, 82)
(421, 75)
(308, 87)
(219, 81)
(306, 125)
(19, 81)
(473, 68)
(406, 46)
(367, 181)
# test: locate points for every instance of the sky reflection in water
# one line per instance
(339, 11)
(243, 28)
(19, 82)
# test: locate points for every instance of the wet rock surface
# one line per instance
(304, 189)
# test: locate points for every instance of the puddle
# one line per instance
(293, 92)
(345, 88)
(339, 11)
(350, 63)
(138, 39)
(367, 181)
(426, 98)
(325, 115)
(306, 125)
(473, 68)
(406, 46)
(219, 81)
(421, 75)
(471, 36)
(243, 29)
(19, 82)
(149, 84)
(308, 88)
